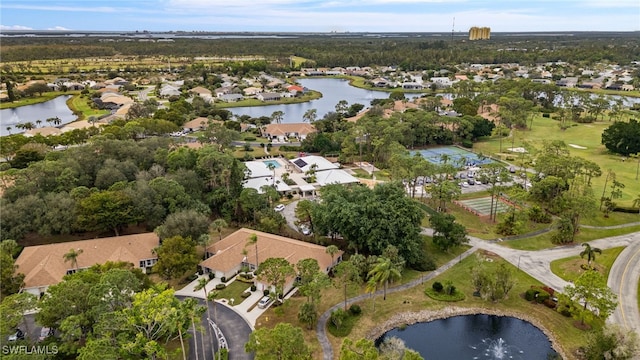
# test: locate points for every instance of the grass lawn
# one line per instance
(586, 135)
(239, 152)
(415, 300)
(310, 95)
(80, 105)
(35, 100)
(233, 291)
(569, 268)
(298, 61)
(333, 295)
(615, 218)
(174, 348)
(544, 241)
(361, 173)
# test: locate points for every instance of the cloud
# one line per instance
(58, 28)
(101, 9)
(14, 27)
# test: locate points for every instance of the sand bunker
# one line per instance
(577, 146)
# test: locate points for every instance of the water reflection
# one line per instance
(32, 113)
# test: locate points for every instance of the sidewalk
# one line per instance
(242, 309)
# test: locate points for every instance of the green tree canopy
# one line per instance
(283, 342)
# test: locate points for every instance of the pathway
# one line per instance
(623, 277)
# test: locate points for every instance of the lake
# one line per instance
(42, 111)
(475, 337)
(333, 90)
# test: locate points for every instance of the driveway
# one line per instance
(289, 214)
(233, 326)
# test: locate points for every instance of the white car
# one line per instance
(264, 302)
(279, 208)
(305, 230)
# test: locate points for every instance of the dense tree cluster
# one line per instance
(410, 53)
(106, 185)
(370, 220)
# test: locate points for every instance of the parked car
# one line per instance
(471, 182)
(18, 335)
(305, 230)
(264, 302)
(512, 169)
(279, 207)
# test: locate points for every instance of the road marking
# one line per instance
(624, 273)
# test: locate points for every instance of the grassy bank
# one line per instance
(544, 241)
(80, 106)
(36, 99)
(311, 95)
(570, 268)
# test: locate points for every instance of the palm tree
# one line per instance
(9, 129)
(590, 253)
(253, 240)
(213, 294)
(202, 285)
(332, 250)
(38, 122)
(636, 202)
(72, 256)
(272, 167)
(383, 272)
(218, 225)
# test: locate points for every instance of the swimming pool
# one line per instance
(275, 163)
(455, 156)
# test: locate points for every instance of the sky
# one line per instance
(321, 16)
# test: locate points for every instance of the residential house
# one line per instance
(223, 91)
(197, 124)
(44, 265)
(412, 86)
(251, 91)
(569, 82)
(169, 90)
(282, 132)
(202, 92)
(227, 256)
(268, 96)
(441, 81)
(231, 97)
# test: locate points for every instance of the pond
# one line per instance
(475, 337)
(32, 113)
(333, 90)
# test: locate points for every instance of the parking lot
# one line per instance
(468, 184)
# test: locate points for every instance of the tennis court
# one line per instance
(482, 206)
(454, 154)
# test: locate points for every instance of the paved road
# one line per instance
(233, 326)
(623, 280)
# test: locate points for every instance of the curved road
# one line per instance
(233, 326)
(623, 280)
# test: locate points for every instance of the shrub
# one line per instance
(245, 295)
(565, 311)
(549, 303)
(546, 115)
(538, 215)
(355, 309)
(265, 292)
(220, 286)
(467, 143)
(223, 279)
(530, 294)
(253, 287)
(192, 277)
(212, 276)
(437, 286)
(549, 290)
(449, 289)
(250, 138)
(542, 296)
